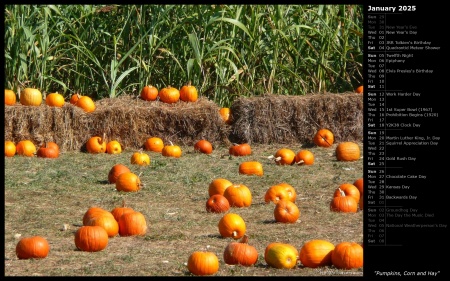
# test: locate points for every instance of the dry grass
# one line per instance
(43, 194)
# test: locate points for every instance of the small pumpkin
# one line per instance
(154, 144)
(348, 151)
(115, 171)
(132, 224)
(304, 157)
(359, 183)
(225, 114)
(343, 203)
(149, 93)
(240, 253)
(242, 149)
(281, 255)
(203, 263)
(140, 158)
(105, 220)
(251, 168)
(283, 156)
(31, 96)
(218, 186)
(217, 203)
(91, 238)
(74, 98)
(238, 195)
(54, 99)
(171, 150)
(26, 148)
(232, 225)
(117, 212)
(203, 146)
(349, 190)
(96, 145)
(286, 211)
(347, 255)
(359, 89)
(34, 247)
(128, 182)
(169, 94)
(93, 212)
(86, 103)
(188, 93)
(48, 150)
(275, 193)
(324, 138)
(10, 148)
(316, 253)
(10, 97)
(292, 194)
(113, 147)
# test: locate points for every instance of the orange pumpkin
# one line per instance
(304, 157)
(292, 194)
(116, 171)
(10, 149)
(55, 99)
(347, 255)
(324, 138)
(96, 144)
(281, 255)
(154, 144)
(240, 253)
(128, 182)
(286, 211)
(225, 114)
(238, 195)
(34, 247)
(93, 212)
(140, 158)
(217, 203)
(348, 151)
(275, 193)
(86, 103)
(149, 93)
(359, 183)
(242, 149)
(117, 212)
(10, 97)
(218, 186)
(169, 94)
(74, 98)
(283, 156)
(48, 150)
(203, 146)
(91, 238)
(31, 96)
(316, 253)
(343, 203)
(107, 221)
(251, 168)
(203, 263)
(26, 148)
(113, 147)
(349, 190)
(359, 89)
(132, 224)
(232, 225)
(188, 93)
(171, 150)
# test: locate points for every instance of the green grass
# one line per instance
(43, 194)
(226, 51)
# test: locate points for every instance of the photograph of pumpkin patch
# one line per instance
(195, 140)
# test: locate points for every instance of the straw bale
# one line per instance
(279, 119)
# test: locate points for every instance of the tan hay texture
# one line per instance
(295, 119)
(130, 120)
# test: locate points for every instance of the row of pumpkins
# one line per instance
(99, 224)
(169, 94)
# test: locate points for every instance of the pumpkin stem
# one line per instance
(123, 203)
(299, 162)
(341, 192)
(271, 157)
(104, 138)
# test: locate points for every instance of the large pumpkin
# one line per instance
(203, 263)
(26, 148)
(96, 144)
(347, 255)
(154, 144)
(275, 193)
(281, 255)
(304, 157)
(34, 247)
(128, 182)
(54, 99)
(232, 225)
(218, 186)
(10, 97)
(286, 211)
(349, 190)
(116, 171)
(188, 93)
(91, 238)
(251, 168)
(169, 94)
(117, 212)
(240, 253)
(238, 195)
(31, 96)
(344, 203)
(348, 151)
(324, 138)
(315, 253)
(359, 183)
(132, 224)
